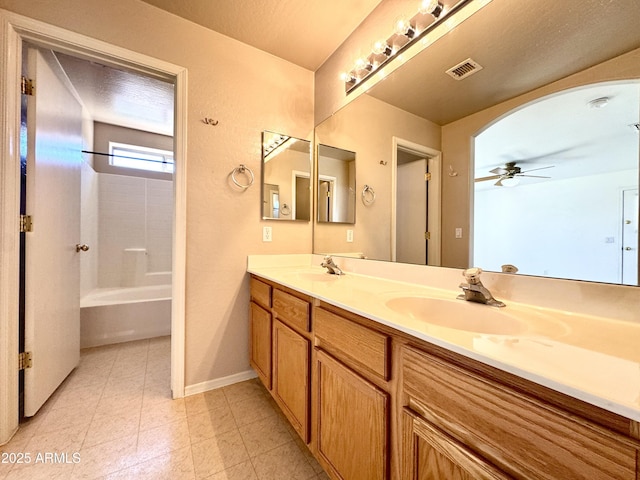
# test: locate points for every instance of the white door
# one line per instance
(411, 213)
(630, 237)
(52, 265)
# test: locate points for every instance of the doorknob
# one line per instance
(84, 247)
(628, 248)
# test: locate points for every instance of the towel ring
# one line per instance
(368, 195)
(242, 169)
(285, 210)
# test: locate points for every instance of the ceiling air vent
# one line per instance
(464, 69)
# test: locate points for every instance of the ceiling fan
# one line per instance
(510, 172)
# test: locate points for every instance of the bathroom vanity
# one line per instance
(378, 392)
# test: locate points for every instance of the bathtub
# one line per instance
(115, 315)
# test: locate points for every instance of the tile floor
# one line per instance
(113, 418)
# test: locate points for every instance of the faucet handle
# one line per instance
(472, 275)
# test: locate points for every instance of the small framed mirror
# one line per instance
(336, 185)
(286, 177)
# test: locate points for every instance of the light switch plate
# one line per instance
(349, 236)
(458, 232)
(266, 234)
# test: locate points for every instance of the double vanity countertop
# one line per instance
(591, 358)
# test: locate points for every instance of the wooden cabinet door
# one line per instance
(291, 376)
(352, 422)
(260, 336)
(430, 454)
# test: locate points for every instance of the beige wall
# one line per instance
(457, 144)
(247, 91)
(367, 127)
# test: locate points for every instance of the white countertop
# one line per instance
(594, 359)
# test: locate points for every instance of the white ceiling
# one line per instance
(564, 133)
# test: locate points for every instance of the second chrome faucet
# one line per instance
(331, 267)
(474, 291)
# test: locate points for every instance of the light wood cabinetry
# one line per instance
(352, 423)
(260, 335)
(428, 453)
(374, 403)
(291, 376)
(520, 435)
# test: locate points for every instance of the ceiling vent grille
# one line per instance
(464, 69)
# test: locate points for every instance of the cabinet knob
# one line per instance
(84, 247)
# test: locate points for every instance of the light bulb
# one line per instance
(362, 64)
(381, 47)
(433, 7)
(346, 77)
(403, 27)
(510, 181)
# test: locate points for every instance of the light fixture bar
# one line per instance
(406, 33)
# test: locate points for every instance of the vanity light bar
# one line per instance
(406, 33)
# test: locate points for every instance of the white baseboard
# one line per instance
(219, 382)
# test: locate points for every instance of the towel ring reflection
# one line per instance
(243, 170)
(285, 210)
(368, 195)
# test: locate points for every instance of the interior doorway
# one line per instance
(16, 30)
(416, 209)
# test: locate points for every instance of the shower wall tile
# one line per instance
(134, 213)
(89, 229)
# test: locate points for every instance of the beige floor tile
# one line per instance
(106, 458)
(115, 404)
(155, 392)
(252, 408)
(176, 465)
(66, 440)
(80, 397)
(107, 427)
(282, 462)
(206, 401)
(63, 418)
(41, 470)
(243, 390)
(211, 423)
(266, 434)
(132, 384)
(162, 412)
(219, 453)
(163, 439)
(243, 471)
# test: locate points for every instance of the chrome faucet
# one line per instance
(474, 291)
(331, 267)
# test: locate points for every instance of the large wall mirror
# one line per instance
(286, 177)
(536, 152)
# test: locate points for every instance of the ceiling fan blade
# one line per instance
(530, 176)
(499, 183)
(534, 169)
(499, 171)
(484, 179)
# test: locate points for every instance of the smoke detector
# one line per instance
(464, 69)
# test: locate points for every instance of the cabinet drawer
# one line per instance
(519, 434)
(357, 346)
(260, 292)
(291, 310)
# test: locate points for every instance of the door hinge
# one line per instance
(427, 176)
(26, 223)
(427, 235)
(27, 86)
(25, 360)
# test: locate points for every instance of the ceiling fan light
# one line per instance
(510, 181)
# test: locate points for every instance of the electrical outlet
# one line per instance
(266, 234)
(350, 236)
(458, 232)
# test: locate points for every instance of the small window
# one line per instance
(140, 158)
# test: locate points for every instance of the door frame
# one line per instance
(434, 210)
(14, 29)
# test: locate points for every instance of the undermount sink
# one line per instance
(458, 315)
